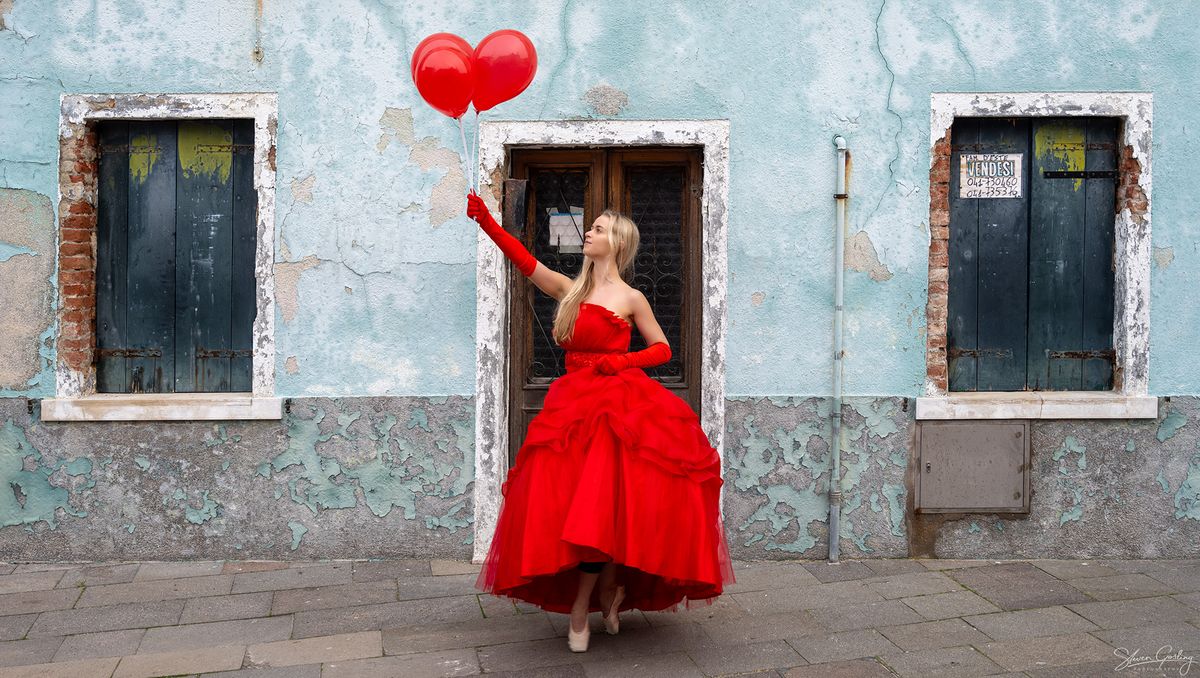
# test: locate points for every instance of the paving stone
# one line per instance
(1189, 599)
(858, 668)
(494, 606)
(782, 626)
(1140, 612)
(951, 564)
(946, 605)
(724, 609)
(303, 577)
(241, 566)
(30, 581)
(14, 627)
(948, 662)
(321, 649)
(180, 570)
(1183, 579)
(933, 634)
(5, 568)
(1132, 566)
(43, 567)
(102, 644)
(806, 598)
(461, 635)
(306, 671)
(1101, 668)
(451, 567)
(914, 584)
(563, 671)
(241, 632)
(413, 588)
(37, 601)
(32, 651)
(385, 616)
(866, 615)
(534, 654)
(630, 619)
(1035, 653)
(107, 618)
(1046, 621)
(841, 646)
(645, 640)
(1156, 640)
(843, 571)
(99, 575)
(893, 566)
(432, 664)
(342, 595)
(1015, 586)
(155, 590)
(775, 654)
(1075, 569)
(669, 665)
(1122, 587)
(203, 660)
(373, 570)
(227, 608)
(769, 574)
(84, 668)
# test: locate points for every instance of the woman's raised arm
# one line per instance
(551, 282)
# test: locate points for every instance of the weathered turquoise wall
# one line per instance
(375, 264)
(374, 253)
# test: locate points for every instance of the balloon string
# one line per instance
(478, 140)
(466, 153)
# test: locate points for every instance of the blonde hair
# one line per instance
(623, 237)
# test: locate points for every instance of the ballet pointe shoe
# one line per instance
(578, 640)
(612, 623)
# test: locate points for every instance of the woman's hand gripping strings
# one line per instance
(510, 246)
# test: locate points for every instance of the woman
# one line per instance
(615, 482)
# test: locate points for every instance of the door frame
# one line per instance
(496, 139)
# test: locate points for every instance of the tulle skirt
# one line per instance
(614, 468)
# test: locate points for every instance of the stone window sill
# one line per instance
(162, 407)
(1038, 405)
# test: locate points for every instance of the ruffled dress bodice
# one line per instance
(598, 331)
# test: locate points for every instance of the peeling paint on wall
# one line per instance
(1163, 256)
(1170, 425)
(287, 282)
(302, 189)
(861, 256)
(1187, 499)
(606, 99)
(291, 365)
(26, 267)
(30, 492)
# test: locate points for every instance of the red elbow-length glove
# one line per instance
(510, 246)
(655, 354)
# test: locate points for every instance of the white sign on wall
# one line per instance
(989, 175)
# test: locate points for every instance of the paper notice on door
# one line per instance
(566, 230)
(989, 175)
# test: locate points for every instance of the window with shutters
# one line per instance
(1032, 209)
(175, 233)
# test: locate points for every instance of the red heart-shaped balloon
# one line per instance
(444, 77)
(504, 64)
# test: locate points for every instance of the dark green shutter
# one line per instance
(1030, 302)
(175, 272)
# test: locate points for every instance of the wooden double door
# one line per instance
(551, 200)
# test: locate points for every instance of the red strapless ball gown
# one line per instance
(613, 468)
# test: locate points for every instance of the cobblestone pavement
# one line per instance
(423, 618)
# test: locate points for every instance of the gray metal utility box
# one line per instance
(973, 467)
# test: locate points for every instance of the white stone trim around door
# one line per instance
(497, 138)
(75, 390)
(1130, 399)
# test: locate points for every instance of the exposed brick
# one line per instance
(74, 344)
(938, 287)
(940, 193)
(937, 247)
(85, 166)
(942, 260)
(76, 290)
(81, 207)
(83, 235)
(939, 217)
(75, 263)
(938, 274)
(939, 233)
(68, 277)
(79, 221)
(68, 249)
(937, 340)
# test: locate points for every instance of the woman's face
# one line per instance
(595, 239)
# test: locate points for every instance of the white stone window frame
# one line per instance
(497, 138)
(1131, 317)
(75, 396)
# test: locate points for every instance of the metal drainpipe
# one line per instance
(835, 439)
